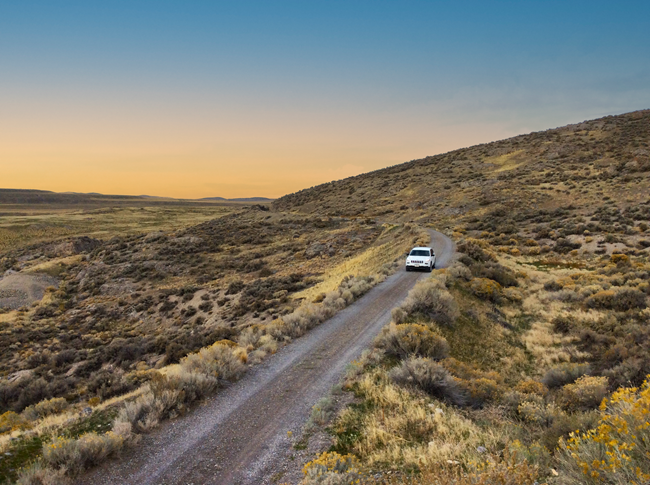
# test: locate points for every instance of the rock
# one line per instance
(315, 249)
(481, 449)
(80, 245)
(117, 287)
(85, 244)
(154, 236)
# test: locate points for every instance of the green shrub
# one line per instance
(431, 299)
(431, 377)
(475, 249)
(564, 246)
(513, 399)
(234, 287)
(480, 391)
(563, 424)
(76, 455)
(45, 408)
(38, 474)
(494, 271)
(322, 411)
(412, 339)
(218, 360)
(206, 306)
(563, 374)
(563, 324)
(621, 300)
(553, 286)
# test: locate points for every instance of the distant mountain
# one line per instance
(32, 196)
(241, 199)
(251, 199)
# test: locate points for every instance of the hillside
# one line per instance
(526, 361)
(582, 165)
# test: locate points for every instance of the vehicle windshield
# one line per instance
(420, 252)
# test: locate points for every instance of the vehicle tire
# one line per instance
(430, 268)
(408, 269)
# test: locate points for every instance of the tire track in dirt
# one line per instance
(235, 437)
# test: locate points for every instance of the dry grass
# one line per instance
(404, 429)
(32, 225)
(393, 242)
(547, 347)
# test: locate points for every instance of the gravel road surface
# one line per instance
(236, 436)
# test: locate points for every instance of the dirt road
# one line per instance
(236, 436)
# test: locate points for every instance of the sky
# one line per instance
(244, 98)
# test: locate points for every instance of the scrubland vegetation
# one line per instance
(143, 325)
(527, 361)
(470, 385)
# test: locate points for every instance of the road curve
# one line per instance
(235, 437)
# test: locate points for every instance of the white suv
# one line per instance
(421, 258)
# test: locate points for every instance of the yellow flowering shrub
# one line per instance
(11, 421)
(585, 393)
(531, 387)
(622, 259)
(486, 289)
(332, 468)
(481, 390)
(617, 451)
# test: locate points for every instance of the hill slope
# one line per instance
(580, 164)
(533, 342)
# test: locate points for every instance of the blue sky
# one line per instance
(298, 92)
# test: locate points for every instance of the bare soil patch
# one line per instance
(19, 290)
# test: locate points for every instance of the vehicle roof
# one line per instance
(421, 247)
